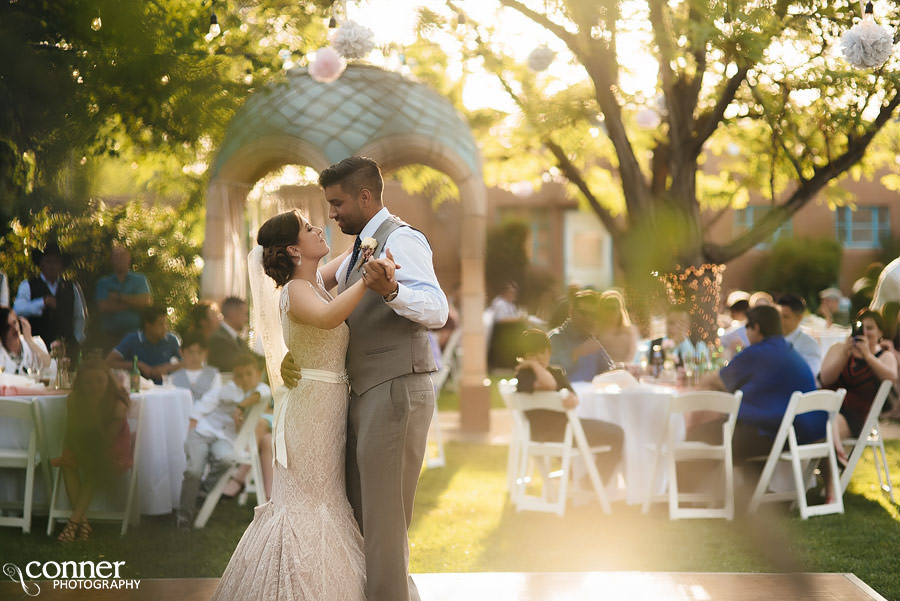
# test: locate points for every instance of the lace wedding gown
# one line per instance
(304, 544)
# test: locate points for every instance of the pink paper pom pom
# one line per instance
(327, 66)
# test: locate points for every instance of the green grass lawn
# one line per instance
(463, 522)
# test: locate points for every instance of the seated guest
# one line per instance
(768, 372)
(792, 311)
(504, 304)
(194, 374)
(680, 348)
(735, 334)
(225, 342)
(834, 307)
(120, 297)
(858, 366)
(54, 306)
(204, 318)
(614, 328)
(20, 351)
(535, 373)
(213, 428)
(156, 348)
(735, 339)
(97, 443)
(575, 347)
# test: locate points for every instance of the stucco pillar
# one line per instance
(224, 252)
(475, 397)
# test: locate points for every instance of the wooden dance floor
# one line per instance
(513, 586)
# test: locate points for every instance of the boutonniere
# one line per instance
(367, 249)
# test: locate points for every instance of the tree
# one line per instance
(756, 74)
(81, 79)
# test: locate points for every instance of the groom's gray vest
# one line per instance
(383, 345)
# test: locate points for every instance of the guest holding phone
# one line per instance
(857, 365)
(20, 352)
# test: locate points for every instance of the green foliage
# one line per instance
(159, 238)
(801, 266)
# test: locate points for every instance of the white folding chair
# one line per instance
(870, 437)
(681, 450)
(19, 458)
(246, 452)
(519, 433)
(132, 509)
(817, 400)
(574, 444)
(436, 457)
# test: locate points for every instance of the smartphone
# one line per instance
(856, 332)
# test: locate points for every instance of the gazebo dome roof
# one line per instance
(340, 118)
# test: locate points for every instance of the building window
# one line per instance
(746, 218)
(866, 227)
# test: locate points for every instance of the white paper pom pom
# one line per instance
(327, 65)
(540, 58)
(353, 40)
(867, 44)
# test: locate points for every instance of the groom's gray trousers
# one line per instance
(386, 434)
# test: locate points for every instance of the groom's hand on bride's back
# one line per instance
(290, 373)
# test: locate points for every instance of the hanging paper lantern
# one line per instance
(353, 40)
(867, 44)
(540, 58)
(327, 65)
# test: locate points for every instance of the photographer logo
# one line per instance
(70, 575)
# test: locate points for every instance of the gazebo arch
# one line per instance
(367, 111)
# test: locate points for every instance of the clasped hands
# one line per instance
(378, 274)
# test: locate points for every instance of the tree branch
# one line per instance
(543, 20)
(856, 149)
(708, 122)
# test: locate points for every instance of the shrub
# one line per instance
(801, 266)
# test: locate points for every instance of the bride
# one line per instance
(303, 544)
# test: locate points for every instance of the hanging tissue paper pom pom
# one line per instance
(327, 66)
(353, 40)
(867, 44)
(540, 58)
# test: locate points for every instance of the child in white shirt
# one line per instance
(213, 428)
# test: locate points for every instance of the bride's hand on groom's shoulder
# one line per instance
(289, 372)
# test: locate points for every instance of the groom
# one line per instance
(389, 359)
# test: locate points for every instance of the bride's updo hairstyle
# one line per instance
(275, 235)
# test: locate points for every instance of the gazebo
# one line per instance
(367, 111)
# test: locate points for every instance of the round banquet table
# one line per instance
(642, 411)
(162, 460)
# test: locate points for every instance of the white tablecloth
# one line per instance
(641, 411)
(162, 460)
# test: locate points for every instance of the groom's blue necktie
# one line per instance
(353, 258)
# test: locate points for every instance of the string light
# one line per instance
(697, 288)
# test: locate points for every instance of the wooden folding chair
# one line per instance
(817, 400)
(681, 450)
(132, 510)
(246, 451)
(870, 437)
(574, 444)
(19, 458)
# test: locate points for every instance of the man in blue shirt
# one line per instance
(157, 350)
(768, 372)
(120, 297)
(574, 346)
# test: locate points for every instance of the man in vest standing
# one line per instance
(389, 360)
(54, 306)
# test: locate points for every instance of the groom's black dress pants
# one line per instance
(386, 436)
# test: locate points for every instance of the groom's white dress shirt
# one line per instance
(419, 298)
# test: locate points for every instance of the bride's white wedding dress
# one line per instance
(304, 544)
